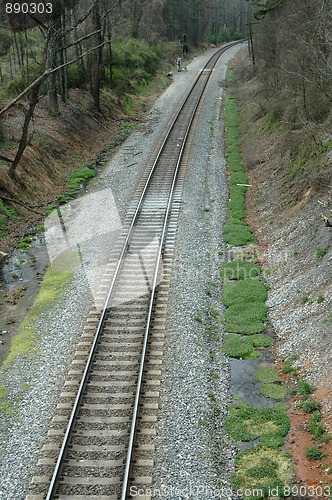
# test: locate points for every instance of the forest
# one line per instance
(100, 46)
(292, 71)
(73, 53)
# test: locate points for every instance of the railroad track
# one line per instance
(102, 438)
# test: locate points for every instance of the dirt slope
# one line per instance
(57, 147)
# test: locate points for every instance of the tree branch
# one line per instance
(4, 158)
(47, 73)
(23, 205)
(80, 40)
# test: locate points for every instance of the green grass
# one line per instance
(25, 242)
(126, 128)
(313, 453)
(310, 405)
(246, 319)
(320, 253)
(6, 213)
(273, 440)
(238, 178)
(259, 340)
(264, 466)
(246, 310)
(3, 225)
(317, 429)
(236, 203)
(304, 389)
(248, 291)
(234, 233)
(7, 406)
(288, 367)
(77, 179)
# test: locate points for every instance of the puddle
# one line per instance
(246, 388)
(243, 383)
(21, 275)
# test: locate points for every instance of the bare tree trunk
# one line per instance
(96, 59)
(24, 138)
(62, 61)
(52, 57)
(251, 44)
(77, 46)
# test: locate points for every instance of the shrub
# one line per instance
(135, 62)
(313, 453)
(311, 405)
(304, 388)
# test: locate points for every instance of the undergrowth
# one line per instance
(6, 214)
(76, 181)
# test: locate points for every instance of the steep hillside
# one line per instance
(287, 202)
(59, 146)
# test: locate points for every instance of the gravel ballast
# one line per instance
(188, 455)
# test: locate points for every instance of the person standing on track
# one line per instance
(179, 63)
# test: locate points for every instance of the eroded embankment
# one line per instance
(294, 247)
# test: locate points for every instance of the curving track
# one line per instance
(103, 432)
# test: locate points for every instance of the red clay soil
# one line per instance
(316, 474)
(308, 473)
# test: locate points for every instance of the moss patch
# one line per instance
(273, 391)
(267, 375)
(53, 285)
(246, 422)
(239, 270)
(236, 346)
(260, 469)
(237, 233)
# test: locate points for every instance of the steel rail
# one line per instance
(70, 426)
(154, 286)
